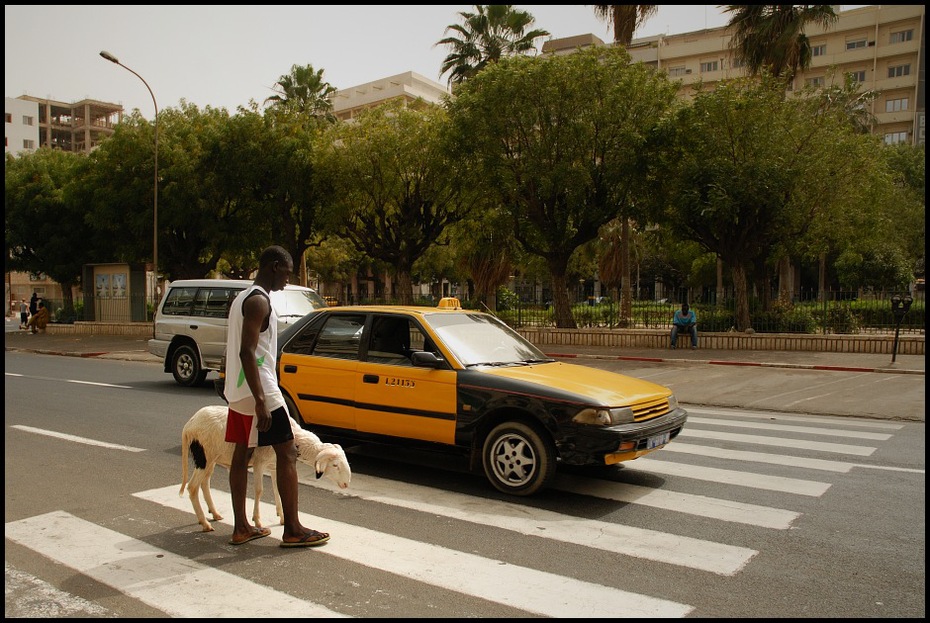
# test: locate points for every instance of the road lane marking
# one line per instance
(537, 592)
(84, 440)
(30, 597)
(819, 446)
(48, 378)
(178, 586)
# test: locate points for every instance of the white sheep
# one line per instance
(204, 436)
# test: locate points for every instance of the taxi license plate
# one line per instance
(658, 440)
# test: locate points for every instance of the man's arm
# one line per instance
(255, 311)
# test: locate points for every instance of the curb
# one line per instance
(799, 366)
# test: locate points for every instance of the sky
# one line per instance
(225, 56)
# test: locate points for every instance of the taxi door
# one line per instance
(318, 369)
(395, 398)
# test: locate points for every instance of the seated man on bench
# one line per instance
(684, 320)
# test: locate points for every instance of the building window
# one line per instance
(896, 105)
(27, 120)
(738, 63)
(709, 66)
(899, 70)
(895, 137)
(855, 44)
(858, 76)
(819, 81)
(677, 71)
(9, 118)
(27, 144)
(819, 50)
(901, 36)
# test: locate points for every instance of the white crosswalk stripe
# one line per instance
(177, 585)
(536, 592)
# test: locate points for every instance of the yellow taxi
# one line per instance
(463, 380)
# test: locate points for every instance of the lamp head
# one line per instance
(109, 57)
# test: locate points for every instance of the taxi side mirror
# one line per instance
(425, 359)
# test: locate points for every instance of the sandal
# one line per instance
(310, 539)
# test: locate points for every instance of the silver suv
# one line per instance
(190, 323)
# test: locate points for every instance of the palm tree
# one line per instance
(494, 31)
(771, 37)
(303, 91)
(625, 19)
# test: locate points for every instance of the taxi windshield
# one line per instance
(482, 339)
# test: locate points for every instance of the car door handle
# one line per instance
(193, 326)
(370, 378)
(290, 368)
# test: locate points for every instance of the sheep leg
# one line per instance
(193, 490)
(258, 476)
(207, 495)
(277, 496)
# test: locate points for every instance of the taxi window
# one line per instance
(394, 339)
(339, 336)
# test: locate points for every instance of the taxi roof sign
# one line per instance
(449, 302)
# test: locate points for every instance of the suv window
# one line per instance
(214, 302)
(203, 302)
(179, 302)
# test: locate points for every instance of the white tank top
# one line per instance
(237, 389)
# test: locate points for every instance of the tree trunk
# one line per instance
(403, 286)
(563, 308)
(720, 291)
(626, 303)
(742, 297)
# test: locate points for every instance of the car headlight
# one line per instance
(604, 417)
(672, 403)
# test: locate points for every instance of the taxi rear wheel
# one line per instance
(517, 459)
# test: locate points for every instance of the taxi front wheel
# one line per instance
(517, 459)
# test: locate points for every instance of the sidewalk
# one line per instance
(136, 349)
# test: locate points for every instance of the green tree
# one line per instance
(46, 231)
(303, 91)
(562, 142)
(624, 20)
(493, 32)
(396, 187)
(770, 37)
(747, 171)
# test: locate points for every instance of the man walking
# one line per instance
(257, 412)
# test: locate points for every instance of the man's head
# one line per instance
(274, 267)
(685, 308)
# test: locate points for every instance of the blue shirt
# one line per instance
(683, 320)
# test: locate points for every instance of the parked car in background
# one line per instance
(461, 380)
(190, 322)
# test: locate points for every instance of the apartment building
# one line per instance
(409, 87)
(21, 129)
(78, 127)
(882, 47)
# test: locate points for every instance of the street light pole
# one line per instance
(113, 59)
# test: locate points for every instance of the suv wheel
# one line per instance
(517, 459)
(185, 366)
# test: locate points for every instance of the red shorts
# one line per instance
(242, 428)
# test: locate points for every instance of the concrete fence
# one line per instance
(624, 338)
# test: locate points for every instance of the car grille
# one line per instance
(645, 411)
